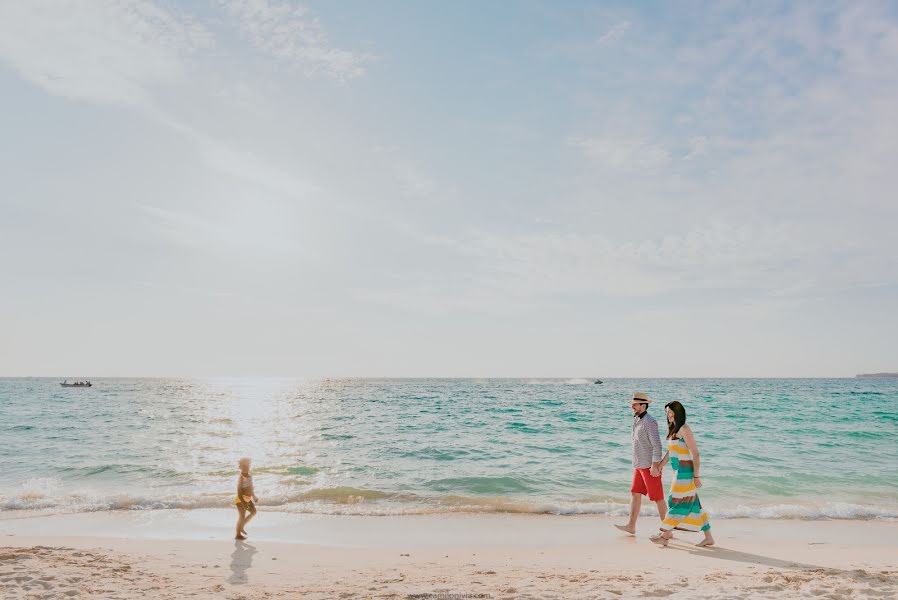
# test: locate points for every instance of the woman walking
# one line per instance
(685, 511)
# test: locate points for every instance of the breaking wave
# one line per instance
(41, 495)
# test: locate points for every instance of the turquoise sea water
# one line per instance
(785, 448)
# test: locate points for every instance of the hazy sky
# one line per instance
(259, 187)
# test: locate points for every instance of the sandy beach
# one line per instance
(178, 554)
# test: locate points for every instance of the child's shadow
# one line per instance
(241, 561)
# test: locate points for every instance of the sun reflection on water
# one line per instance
(266, 419)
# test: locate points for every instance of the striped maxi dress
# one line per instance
(685, 511)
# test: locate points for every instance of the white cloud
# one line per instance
(698, 146)
(126, 53)
(624, 154)
(785, 120)
(253, 169)
(613, 35)
(440, 299)
(410, 177)
(255, 230)
(103, 51)
(294, 35)
(760, 264)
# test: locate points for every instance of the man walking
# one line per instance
(646, 459)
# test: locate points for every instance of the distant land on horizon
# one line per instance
(876, 375)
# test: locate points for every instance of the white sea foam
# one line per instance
(36, 495)
(832, 510)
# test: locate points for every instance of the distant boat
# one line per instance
(597, 381)
(76, 384)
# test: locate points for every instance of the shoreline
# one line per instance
(505, 556)
(31, 500)
(449, 528)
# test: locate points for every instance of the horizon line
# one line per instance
(453, 377)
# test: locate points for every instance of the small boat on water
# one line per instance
(76, 384)
(597, 381)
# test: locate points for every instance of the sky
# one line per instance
(448, 189)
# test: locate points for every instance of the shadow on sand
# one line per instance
(241, 561)
(882, 584)
(746, 557)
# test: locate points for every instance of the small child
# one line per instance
(246, 498)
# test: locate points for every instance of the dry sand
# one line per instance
(187, 554)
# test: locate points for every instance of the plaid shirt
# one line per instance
(646, 441)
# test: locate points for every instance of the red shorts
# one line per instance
(645, 484)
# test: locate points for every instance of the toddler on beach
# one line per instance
(246, 498)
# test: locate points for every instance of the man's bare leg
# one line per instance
(635, 505)
(662, 509)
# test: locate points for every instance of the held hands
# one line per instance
(655, 471)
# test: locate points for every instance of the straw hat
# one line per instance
(641, 397)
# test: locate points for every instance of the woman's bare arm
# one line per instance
(689, 438)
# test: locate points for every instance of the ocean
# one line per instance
(770, 448)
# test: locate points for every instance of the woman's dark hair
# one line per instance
(679, 418)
